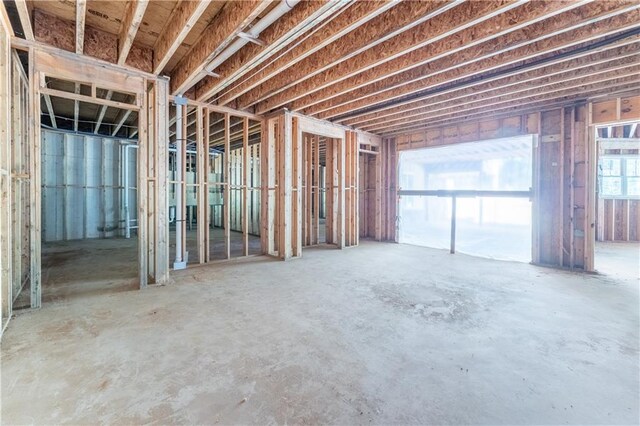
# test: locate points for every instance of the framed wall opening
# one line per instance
(89, 180)
(102, 105)
(473, 198)
(617, 199)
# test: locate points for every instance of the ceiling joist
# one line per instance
(477, 60)
(219, 34)
(180, 24)
(130, 25)
(346, 21)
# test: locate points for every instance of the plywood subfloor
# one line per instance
(379, 334)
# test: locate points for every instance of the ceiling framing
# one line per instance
(380, 66)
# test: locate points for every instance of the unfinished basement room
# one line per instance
(326, 212)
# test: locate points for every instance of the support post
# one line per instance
(453, 225)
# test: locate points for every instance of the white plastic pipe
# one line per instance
(179, 262)
(276, 13)
(127, 220)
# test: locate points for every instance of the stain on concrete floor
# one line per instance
(379, 334)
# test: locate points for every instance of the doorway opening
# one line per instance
(617, 247)
(319, 190)
(473, 198)
(89, 236)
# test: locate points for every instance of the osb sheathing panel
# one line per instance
(140, 58)
(605, 111)
(100, 44)
(405, 13)
(60, 33)
(630, 108)
(54, 31)
(479, 58)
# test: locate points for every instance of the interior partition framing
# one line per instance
(5, 172)
(151, 103)
(236, 141)
(291, 151)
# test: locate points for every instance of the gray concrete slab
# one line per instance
(379, 334)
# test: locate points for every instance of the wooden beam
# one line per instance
(89, 99)
(516, 108)
(123, 117)
(563, 67)
(130, 24)
(81, 12)
(440, 66)
(277, 37)
(50, 110)
(467, 25)
(354, 16)
(234, 17)
(102, 112)
(382, 31)
(535, 87)
(227, 188)
(25, 18)
(180, 24)
(245, 185)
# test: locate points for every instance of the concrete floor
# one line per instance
(379, 334)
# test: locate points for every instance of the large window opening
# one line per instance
(472, 198)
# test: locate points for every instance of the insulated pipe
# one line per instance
(179, 262)
(127, 220)
(276, 13)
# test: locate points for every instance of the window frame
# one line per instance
(624, 195)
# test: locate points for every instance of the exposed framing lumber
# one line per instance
(124, 115)
(102, 112)
(227, 187)
(202, 157)
(90, 99)
(25, 18)
(276, 37)
(81, 12)
(180, 24)
(466, 25)
(355, 15)
(543, 103)
(130, 24)
(50, 111)
(554, 69)
(439, 65)
(233, 18)
(375, 37)
(6, 199)
(579, 82)
(245, 185)
(35, 174)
